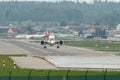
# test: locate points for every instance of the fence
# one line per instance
(58, 75)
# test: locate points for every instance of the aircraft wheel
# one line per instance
(45, 46)
(58, 46)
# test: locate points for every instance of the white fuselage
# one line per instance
(26, 36)
(51, 40)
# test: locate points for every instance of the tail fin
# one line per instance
(47, 33)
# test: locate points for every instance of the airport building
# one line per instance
(3, 30)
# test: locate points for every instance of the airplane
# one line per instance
(26, 36)
(51, 41)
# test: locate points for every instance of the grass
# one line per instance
(39, 72)
(74, 72)
(20, 72)
(96, 72)
(7, 61)
(4, 73)
(9, 70)
(58, 72)
(113, 73)
(97, 45)
(16, 55)
(5, 37)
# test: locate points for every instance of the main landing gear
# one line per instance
(58, 46)
(45, 47)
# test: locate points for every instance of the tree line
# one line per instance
(98, 13)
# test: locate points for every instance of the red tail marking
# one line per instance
(47, 34)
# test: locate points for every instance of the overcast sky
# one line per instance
(89, 1)
(75, 0)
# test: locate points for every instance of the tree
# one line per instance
(63, 23)
(99, 32)
(76, 23)
(99, 13)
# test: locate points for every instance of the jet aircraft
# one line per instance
(51, 41)
(26, 36)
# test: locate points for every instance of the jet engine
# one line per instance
(42, 42)
(61, 42)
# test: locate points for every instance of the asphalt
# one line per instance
(37, 49)
(34, 50)
(31, 62)
(93, 62)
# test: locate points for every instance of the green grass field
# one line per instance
(98, 45)
(6, 62)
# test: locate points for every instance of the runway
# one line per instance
(54, 56)
(37, 49)
(109, 62)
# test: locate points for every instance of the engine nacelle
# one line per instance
(61, 42)
(42, 42)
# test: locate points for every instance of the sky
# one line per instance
(88, 1)
(75, 0)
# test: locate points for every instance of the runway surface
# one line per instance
(69, 56)
(109, 62)
(37, 49)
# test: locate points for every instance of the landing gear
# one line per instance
(58, 46)
(45, 47)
